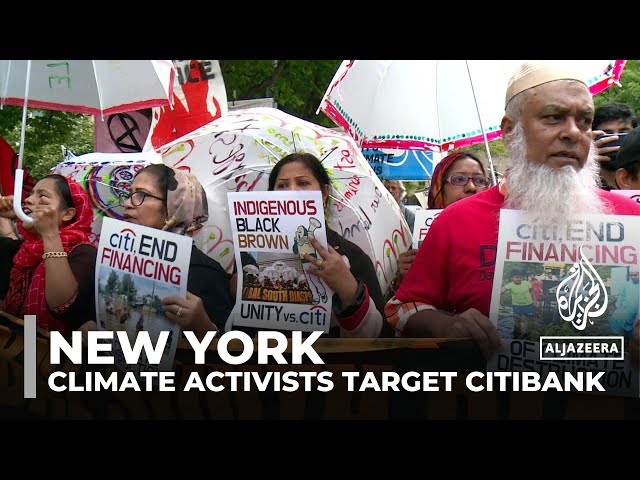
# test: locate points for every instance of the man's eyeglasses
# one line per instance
(461, 180)
(137, 197)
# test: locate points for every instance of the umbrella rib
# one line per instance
(267, 149)
(6, 85)
(373, 103)
(24, 115)
(330, 152)
(95, 75)
(438, 107)
(484, 134)
(110, 186)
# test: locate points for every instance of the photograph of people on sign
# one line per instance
(565, 297)
(281, 281)
(277, 286)
(531, 300)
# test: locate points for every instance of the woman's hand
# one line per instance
(331, 267)
(404, 262)
(88, 326)
(471, 323)
(45, 217)
(6, 207)
(189, 313)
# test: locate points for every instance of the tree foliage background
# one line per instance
(297, 86)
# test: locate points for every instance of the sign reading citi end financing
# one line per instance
(136, 267)
(277, 286)
(565, 298)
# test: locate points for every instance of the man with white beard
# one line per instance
(552, 176)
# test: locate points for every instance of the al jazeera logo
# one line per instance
(582, 300)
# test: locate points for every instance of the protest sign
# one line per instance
(422, 224)
(136, 267)
(565, 297)
(277, 286)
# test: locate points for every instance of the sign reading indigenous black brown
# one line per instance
(565, 301)
(277, 286)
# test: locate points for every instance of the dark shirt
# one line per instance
(409, 215)
(605, 186)
(82, 261)
(209, 281)
(8, 248)
(362, 270)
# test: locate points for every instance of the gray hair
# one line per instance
(403, 189)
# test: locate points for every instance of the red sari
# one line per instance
(26, 294)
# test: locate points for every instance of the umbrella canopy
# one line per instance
(92, 87)
(105, 177)
(236, 153)
(435, 105)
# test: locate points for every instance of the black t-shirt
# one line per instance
(82, 262)
(209, 281)
(8, 248)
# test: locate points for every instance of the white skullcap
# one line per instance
(532, 73)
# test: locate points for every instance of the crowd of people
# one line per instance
(560, 166)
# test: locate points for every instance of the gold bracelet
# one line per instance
(53, 255)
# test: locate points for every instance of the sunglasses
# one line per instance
(461, 180)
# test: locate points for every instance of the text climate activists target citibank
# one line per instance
(270, 347)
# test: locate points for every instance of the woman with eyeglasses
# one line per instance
(54, 266)
(357, 300)
(169, 199)
(457, 176)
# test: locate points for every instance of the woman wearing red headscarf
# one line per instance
(54, 268)
(456, 176)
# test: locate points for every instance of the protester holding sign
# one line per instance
(347, 270)
(54, 268)
(170, 199)
(553, 177)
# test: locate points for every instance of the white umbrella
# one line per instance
(435, 105)
(92, 87)
(236, 153)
